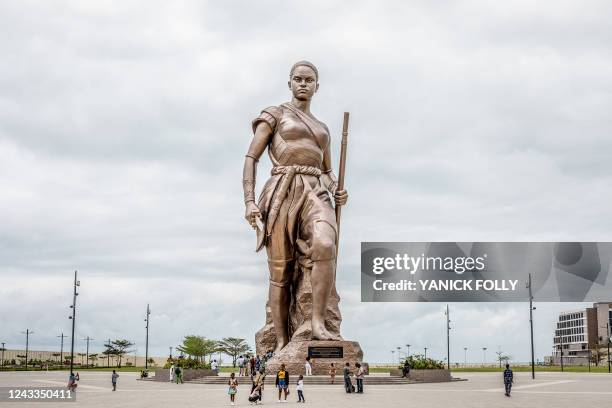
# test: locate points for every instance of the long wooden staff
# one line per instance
(341, 174)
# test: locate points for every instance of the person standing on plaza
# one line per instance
(282, 382)
(114, 380)
(172, 372)
(300, 389)
(252, 365)
(359, 377)
(178, 374)
(215, 367)
(307, 367)
(508, 379)
(240, 364)
(233, 388)
(346, 373)
(332, 372)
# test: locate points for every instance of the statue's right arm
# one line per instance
(262, 136)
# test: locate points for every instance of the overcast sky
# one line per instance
(124, 124)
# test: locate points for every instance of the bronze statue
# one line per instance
(294, 217)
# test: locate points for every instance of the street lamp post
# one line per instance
(88, 339)
(108, 354)
(61, 348)
(73, 318)
(2, 360)
(484, 356)
(407, 350)
(27, 333)
(531, 309)
(609, 340)
(561, 343)
(448, 337)
(465, 356)
(399, 356)
(392, 356)
(147, 340)
(425, 351)
(170, 351)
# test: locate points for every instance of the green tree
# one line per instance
(118, 349)
(234, 347)
(198, 346)
(93, 358)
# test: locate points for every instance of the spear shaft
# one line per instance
(341, 172)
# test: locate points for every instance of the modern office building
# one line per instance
(579, 334)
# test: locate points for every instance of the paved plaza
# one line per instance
(481, 390)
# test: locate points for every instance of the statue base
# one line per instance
(322, 353)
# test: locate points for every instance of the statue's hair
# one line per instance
(304, 63)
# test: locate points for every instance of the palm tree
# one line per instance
(234, 347)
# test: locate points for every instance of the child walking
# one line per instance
(300, 389)
(233, 388)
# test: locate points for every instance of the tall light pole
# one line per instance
(392, 356)
(61, 348)
(561, 343)
(73, 318)
(448, 337)
(484, 356)
(27, 333)
(147, 339)
(531, 309)
(407, 350)
(465, 356)
(609, 340)
(399, 356)
(109, 345)
(88, 339)
(170, 351)
(2, 360)
(425, 351)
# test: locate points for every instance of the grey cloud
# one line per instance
(123, 128)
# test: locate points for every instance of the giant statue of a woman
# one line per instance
(294, 216)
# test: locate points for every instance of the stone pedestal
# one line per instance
(294, 354)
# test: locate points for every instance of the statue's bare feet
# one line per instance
(319, 332)
(280, 343)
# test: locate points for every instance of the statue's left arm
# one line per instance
(329, 180)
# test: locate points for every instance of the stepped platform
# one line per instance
(316, 380)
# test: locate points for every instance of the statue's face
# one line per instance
(303, 83)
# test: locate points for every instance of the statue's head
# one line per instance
(303, 80)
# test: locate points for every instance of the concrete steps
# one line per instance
(310, 380)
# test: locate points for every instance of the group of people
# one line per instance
(282, 380)
(257, 386)
(73, 378)
(347, 373)
(249, 364)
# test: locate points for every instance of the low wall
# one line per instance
(163, 374)
(438, 375)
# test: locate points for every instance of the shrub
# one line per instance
(190, 363)
(419, 362)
